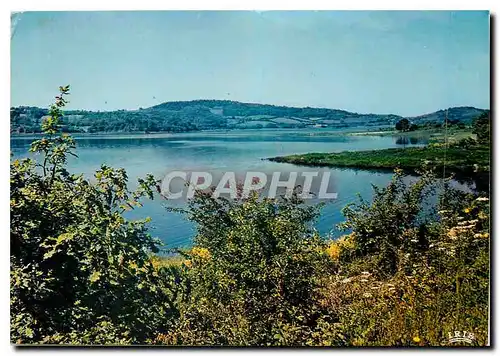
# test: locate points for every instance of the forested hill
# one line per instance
(180, 116)
(462, 114)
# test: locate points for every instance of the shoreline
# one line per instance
(314, 131)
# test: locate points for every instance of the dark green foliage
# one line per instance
(78, 267)
(403, 125)
(380, 226)
(254, 270)
(482, 128)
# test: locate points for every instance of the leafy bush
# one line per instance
(78, 267)
(254, 270)
(438, 281)
(381, 228)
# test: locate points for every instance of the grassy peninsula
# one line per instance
(465, 151)
(459, 159)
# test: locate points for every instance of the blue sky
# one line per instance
(406, 63)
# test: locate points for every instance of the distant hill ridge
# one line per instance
(461, 113)
(180, 116)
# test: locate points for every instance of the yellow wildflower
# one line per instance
(452, 233)
(201, 252)
(333, 250)
(482, 236)
(155, 263)
(416, 339)
(467, 210)
(345, 242)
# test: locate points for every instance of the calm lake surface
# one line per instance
(242, 150)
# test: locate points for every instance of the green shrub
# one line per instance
(381, 227)
(254, 271)
(439, 277)
(78, 267)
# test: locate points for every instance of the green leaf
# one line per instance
(94, 277)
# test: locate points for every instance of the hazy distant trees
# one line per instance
(181, 116)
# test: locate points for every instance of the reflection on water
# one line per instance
(412, 140)
(242, 150)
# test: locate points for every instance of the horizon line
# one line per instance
(264, 104)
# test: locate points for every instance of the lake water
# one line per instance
(242, 150)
